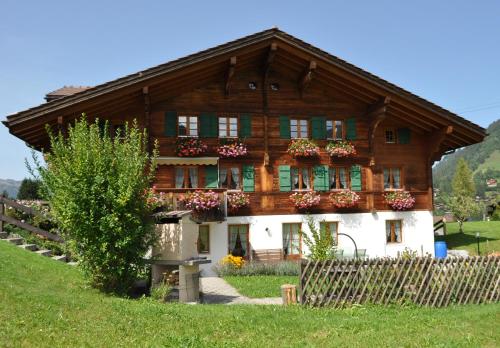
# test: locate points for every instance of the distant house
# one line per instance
(269, 90)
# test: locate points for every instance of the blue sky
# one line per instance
(445, 51)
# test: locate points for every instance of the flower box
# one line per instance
(303, 148)
(200, 201)
(187, 147)
(305, 200)
(399, 200)
(340, 148)
(344, 199)
(237, 200)
(232, 150)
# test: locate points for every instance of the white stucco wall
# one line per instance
(367, 229)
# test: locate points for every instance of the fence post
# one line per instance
(2, 212)
(288, 294)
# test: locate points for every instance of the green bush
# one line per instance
(283, 268)
(97, 186)
(160, 292)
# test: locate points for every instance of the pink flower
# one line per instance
(399, 200)
(344, 198)
(305, 200)
(340, 148)
(303, 148)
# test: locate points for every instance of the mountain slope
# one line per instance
(483, 159)
(9, 185)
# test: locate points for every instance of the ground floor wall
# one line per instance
(367, 229)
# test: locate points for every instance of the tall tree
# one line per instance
(97, 187)
(29, 189)
(462, 202)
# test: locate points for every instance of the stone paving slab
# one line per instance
(216, 290)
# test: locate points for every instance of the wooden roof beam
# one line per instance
(229, 75)
(271, 55)
(306, 77)
(436, 140)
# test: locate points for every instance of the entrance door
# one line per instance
(239, 244)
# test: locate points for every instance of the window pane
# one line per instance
(286, 239)
(295, 243)
(388, 231)
(182, 121)
(397, 178)
(295, 178)
(235, 179)
(293, 123)
(238, 240)
(389, 136)
(222, 127)
(223, 178)
(303, 129)
(179, 177)
(333, 178)
(305, 179)
(387, 180)
(397, 231)
(342, 178)
(329, 129)
(338, 129)
(193, 177)
(203, 239)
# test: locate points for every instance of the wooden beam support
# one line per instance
(376, 113)
(230, 74)
(436, 140)
(269, 62)
(147, 114)
(265, 103)
(306, 77)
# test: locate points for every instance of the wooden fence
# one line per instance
(423, 281)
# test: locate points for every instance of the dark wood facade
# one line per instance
(292, 79)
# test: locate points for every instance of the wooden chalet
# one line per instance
(267, 90)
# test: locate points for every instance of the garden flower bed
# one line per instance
(306, 200)
(303, 148)
(399, 200)
(344, 199)
(187, 147)
(340, 148)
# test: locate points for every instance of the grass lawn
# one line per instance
(45, 303)
(261, 285)
(489, 239)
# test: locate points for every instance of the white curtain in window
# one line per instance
(295, 178)
(387, 179)
(333, 178)
(397, 176)
(342, 178)
(295, 240)
(397, 231)
(193, 177)
(222, 177)
(179, 177)
(305, 179)
(286, 239)
(235, 178)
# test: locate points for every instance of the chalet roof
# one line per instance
(142, 77)
(65, 91)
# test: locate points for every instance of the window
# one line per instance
(331, 227)
(187, 126)
(238, 240)
(186, 177)
(390, 136)
(228, 127)
(339, 178)
(301, 178)
(392, 178)
(299, 128)
(203, 239)
(292, 242)
(393, 231)
(230, 178)
(334, 130)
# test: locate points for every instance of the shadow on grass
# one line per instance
(456, 240)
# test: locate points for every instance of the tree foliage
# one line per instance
(29, 189)
(462, 202)
(97, 187)
(320, 243)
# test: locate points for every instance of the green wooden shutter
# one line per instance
(248, 178)
(284, 127)
(318, 126)
(285, 180)
(403, 135)
(356, 178)
(170, 124)
(320, 178)
(350, 128)
(208, 125)
(245, 126)
(211, 177)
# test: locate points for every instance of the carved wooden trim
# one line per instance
(229, 75)
(307, 76)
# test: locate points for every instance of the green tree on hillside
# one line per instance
(462, 202)
(97, 187)
(29, 189)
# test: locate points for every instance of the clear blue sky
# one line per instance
(445, 51)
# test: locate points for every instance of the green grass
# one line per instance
(261, 285)
(489, 236)
(44, 303)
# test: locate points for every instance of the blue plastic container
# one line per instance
(440, 249)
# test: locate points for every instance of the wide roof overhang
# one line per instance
(293, 56)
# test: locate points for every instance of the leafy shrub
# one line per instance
(97, 189)
(160, 291)
(320, 244)
(283, 268)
